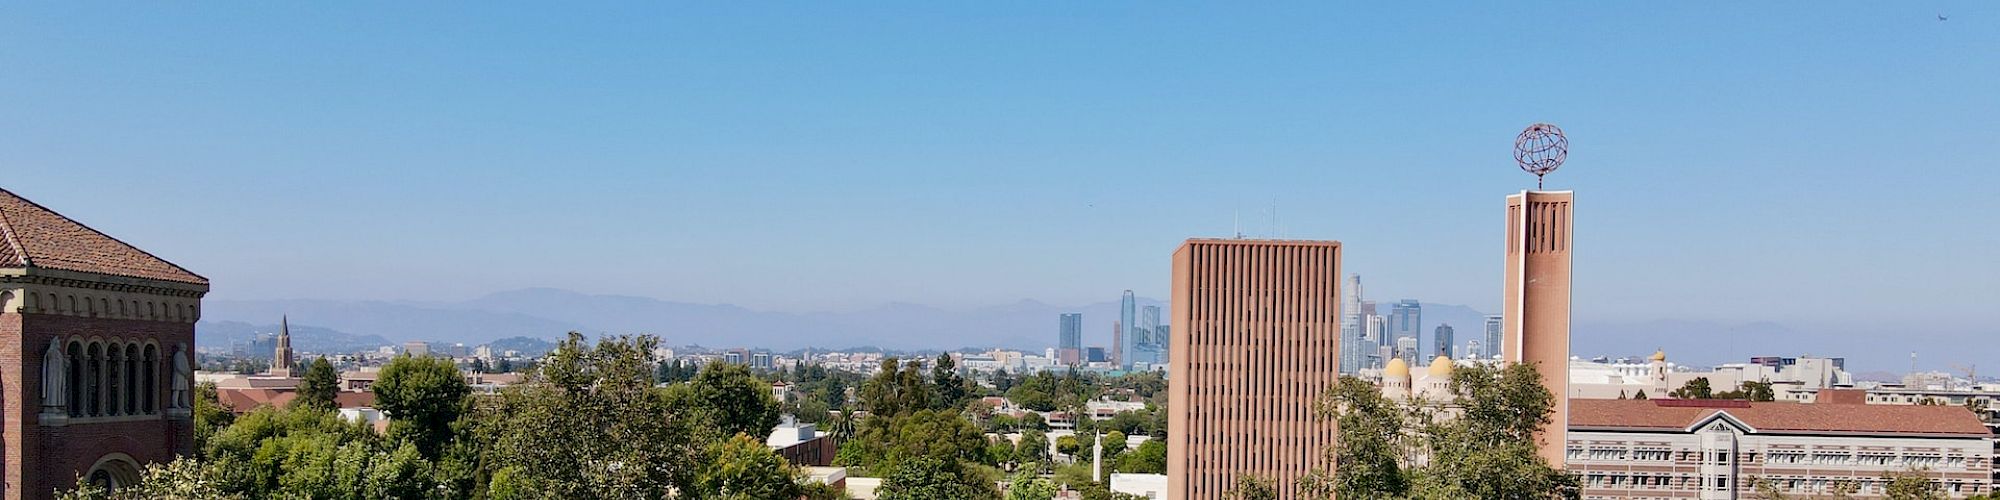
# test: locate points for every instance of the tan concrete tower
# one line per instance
(1257, 340)
(1535, 317)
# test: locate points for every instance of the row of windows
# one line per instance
(108, 379)
(1881, 459)
(1724, 483)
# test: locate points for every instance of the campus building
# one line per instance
(1258, 342)
(1720, 449)
(96, 339)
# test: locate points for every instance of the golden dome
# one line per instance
(1660, 355)
(1441, 367)
(1396, 368)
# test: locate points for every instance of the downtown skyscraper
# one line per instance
(1492, 336)
(1406, 318)
(1445, 341)
(1152, 345)
(1128, 329)
(1069, 339)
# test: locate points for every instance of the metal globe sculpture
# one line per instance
(1540, 149)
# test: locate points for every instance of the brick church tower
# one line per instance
(96, 346)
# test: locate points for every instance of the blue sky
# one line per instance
(1815, 163)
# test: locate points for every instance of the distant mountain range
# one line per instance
(548, 314)
(226, 334)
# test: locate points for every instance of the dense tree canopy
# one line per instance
(319, 386)
(596, 427)
(1478, 443)
(731, 399)
(423, 396)
(742, 468)
(927, 478)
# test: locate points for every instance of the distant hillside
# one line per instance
(211, 334)
(396, 321)
(528, 346)
(546, 313)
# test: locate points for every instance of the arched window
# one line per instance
(104, 305)
(132, 387)
(114, 374)
(94, 382)
(124, 308)
(151, 391)
(76, 392)
(151, 311)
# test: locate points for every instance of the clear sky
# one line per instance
(1813, 163)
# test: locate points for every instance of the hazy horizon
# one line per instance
(1826, 170)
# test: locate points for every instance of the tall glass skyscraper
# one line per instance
(1353, 329)
(1069, 339)
(1128, 331)
(1152, 343)
(1493, 335)
(1407, 320)
(1445, 341)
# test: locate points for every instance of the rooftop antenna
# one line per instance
(1277, 229)
(1540, 149)
(1239, 223)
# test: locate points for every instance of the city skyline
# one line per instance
(279, 160)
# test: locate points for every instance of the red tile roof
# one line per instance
(35, 236)
(244, 400)
(1780, 417)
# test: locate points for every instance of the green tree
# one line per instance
(210, 416)
(1149, 458)
(928, 478)
(1912, 484)
(732, 399)
(1033, 450)
(181, 479)
(594, 427)
(1695, 389)
(1488, 450)
(275, 452)
(423, 396)
(319, 387)
(1027, 486)
(947, 385)
(1251, 488)
(1114, 444)
(1068, 444)
(743, 468)
(1478, 443)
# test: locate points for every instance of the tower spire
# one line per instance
(281, 361)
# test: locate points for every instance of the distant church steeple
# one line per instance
(281, 364)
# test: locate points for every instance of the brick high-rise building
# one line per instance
(1258, 344)
(1535, 322)
(96, 339)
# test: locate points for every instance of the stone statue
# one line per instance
(182, 377)
(55, 378)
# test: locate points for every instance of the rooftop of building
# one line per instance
(36, 237)
(1263, 241)
(1777, 417)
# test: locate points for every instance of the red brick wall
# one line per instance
(40, 459)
